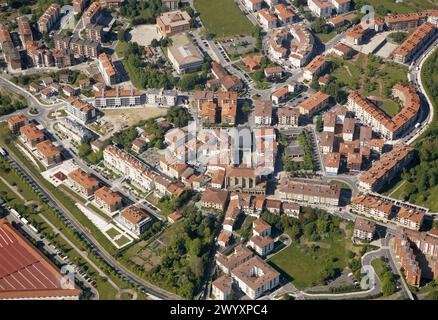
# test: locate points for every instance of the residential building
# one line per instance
(222, 286)
(31, 135)
(165, 98)
(171, 4)
(332, 162)
(364, 229)
(82, 182)
(263, 112)
(372, 206)
(255, 277)
(173, 22)
(49, 18)
(16, 122)
(261, 228)
(316, 193)
(244, 180)
(253, 5)
(92, 13)
(24, 30)
(285, 14)
(389, 128)
(48, 153)
(240, 255)
(315, 68)
(108, 200)
(75, 131)
(175, 216)
(320, 8)
(288, 117)
(273, 73)
(107, 69)
(267, 20)
(281, 94)
(119, 98)
(78, 6)
(94, 32)
(185, 58)
(314, 104)
(80, 110)
(135, 219)
(215, 199)
(415, 43)
(261, 245)
(39, 279)
(383, 170)
(327, 142)
(409, 218)
(292, 209)
(411, 247)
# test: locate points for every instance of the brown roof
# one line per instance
(135, 214)
(83, 178)
(106, 195)
(364, 225)
(216, 196)
(47, 149)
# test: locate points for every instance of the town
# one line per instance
(218, 150)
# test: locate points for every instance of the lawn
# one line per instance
(303, 265)
(326, 37)
(223, 18)
(405, 6)
(390, 107)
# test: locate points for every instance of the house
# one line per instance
(320, 8)
(222, 286)
(329, 120)
(285, 14)
(135, 219)
(261, 228)
(364, 229)
(327, 142)
(214, 198)
(263, 112)
(342, 50)
(108, 200)
(348, 129)
(262, 245)
(48, 153)
(175, 216)
(82, 182)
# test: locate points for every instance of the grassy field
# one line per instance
(223, 18)
(390, 107)
(405, 6)
(304, 265)
(325, 37)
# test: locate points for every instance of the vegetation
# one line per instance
(398, 37)
(184, 258)
(144, 74)
(420, 181)
(387, 278)
(320, 247)
(383, 7)
(10, 102)
(141, 11)
(230, 22)
(178, 116)
(307, 163)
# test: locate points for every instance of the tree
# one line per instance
(84, 149)
(121, 35)
(246, 108)
(178, 116)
